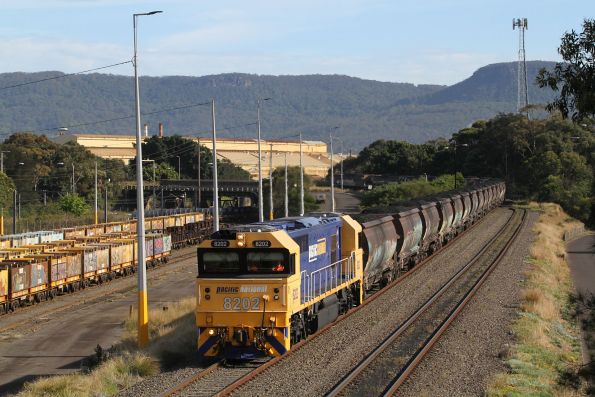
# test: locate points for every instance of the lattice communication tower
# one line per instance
(523, 94)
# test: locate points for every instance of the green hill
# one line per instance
(364, 110)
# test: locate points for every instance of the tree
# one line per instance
(167, 149)
(73, 204)
(575, 77)
(293, 184)
(6, 189)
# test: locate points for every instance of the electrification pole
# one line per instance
(96, 211)
(260, 195)
(286, 190)
(301, 178)
(198, 195)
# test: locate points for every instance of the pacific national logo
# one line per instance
(253, 288)
(228, 290)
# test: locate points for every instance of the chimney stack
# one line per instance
(146, 130)
(160, 130)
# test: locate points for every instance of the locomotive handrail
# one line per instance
(328, 277)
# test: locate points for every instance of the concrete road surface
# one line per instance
(57, 344)
(581, 258)
(347, 202)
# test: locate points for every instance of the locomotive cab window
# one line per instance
(221, 262)
(245, 262)
(266, 262)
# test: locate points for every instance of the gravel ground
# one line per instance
(463, 361)
(316, 367)
(156, 385)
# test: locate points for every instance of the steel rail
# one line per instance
(362, 365)
(418, 357)
(258, 371)
(191, 379)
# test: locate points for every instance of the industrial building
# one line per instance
(241, 152)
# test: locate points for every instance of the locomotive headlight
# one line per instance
(276, 297)
(276, 290)
(207, 297)
(240, 244)
(207, 290)
(240, 236)
(211, 332)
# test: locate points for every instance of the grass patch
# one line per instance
(546, 359)
(172, 334)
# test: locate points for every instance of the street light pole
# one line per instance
(301, 178)
(143, 311)
(260, 195)
(271, 183)
(215, 183)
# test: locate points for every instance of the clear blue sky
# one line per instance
(426, 41)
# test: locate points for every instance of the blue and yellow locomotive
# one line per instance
(265, 286)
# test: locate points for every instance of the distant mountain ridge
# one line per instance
(364, 110)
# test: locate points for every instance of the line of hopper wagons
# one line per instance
(36, 266)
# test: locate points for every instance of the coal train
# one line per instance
(36, 266)
(263, 287)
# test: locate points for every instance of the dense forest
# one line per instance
(364, 110)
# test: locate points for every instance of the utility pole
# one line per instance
(286, 190)
(2, 159)
(301, 178)
(154, 182)
(105, 211)
(96, 209)
(215, 183)
(73, 190)
(342, 155)
(271, 217)
(332, 176)
(260, 195)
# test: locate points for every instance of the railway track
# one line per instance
(94, 299)
(388, 366)
(190, 386)
(212, 380)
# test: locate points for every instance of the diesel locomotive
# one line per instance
(263, 287)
